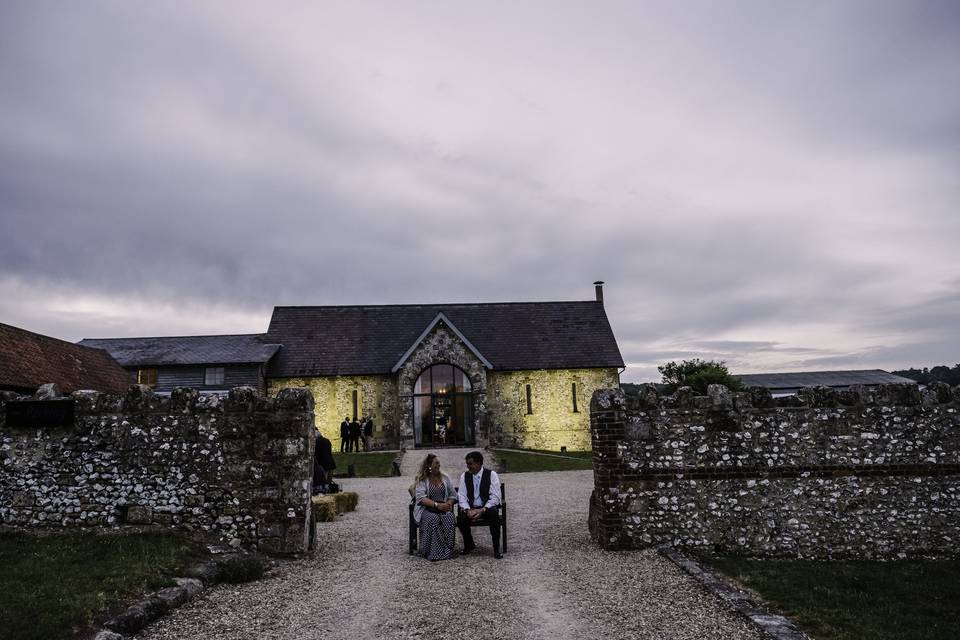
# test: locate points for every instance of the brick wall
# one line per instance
(824, 474)
(234, 470)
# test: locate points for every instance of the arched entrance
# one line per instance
(443, 407)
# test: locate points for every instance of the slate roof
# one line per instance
(866, 377)
(186, 350)
(357, 340)
(28, 360)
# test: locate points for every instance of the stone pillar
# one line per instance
(608, 430)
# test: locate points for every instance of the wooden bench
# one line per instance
(479, 522)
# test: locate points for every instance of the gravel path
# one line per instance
(553, 582)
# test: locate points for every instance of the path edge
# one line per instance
(770, 624)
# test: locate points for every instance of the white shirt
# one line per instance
(494, 500)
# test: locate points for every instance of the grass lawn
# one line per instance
(57, 585)
(847, 600)
(519, 462)
(368, 465)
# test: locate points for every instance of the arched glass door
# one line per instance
(442, 407)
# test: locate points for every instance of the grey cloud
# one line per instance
(729, 171)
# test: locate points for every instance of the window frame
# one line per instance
(148, 376)
(215, 373)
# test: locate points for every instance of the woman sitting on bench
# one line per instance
(434, 498)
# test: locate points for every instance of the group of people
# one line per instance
(353, 432)
(434, 498)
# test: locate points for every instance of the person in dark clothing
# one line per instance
(323, 464)
(367, 433)
(479, 497)
(345, 434)
(354, 436)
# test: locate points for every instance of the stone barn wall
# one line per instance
(824, 474)
(235, 470)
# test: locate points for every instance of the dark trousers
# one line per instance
(344, 443)
(491, 517)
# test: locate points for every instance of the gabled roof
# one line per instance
(187, 350)
(440, 319)
(327, 341)
(800, 379)
(28, 360)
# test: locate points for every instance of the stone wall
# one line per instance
(824, 474)
(376, 396)
(235, 470)
(553, 422)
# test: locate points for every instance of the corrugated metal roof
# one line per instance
(187, 350)
(357, 340)
(800, 379)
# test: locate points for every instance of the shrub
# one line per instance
(698, 374)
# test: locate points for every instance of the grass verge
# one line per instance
(521, 461)
(853, 600)
(58, 585)
(375, 464)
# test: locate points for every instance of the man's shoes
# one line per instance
(498, 555)
(467, 550)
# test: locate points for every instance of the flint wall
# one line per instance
(234, 470)
(824, 474)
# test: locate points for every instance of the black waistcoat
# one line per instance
(484, 486)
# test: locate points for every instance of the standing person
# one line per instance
(355, 436)
(345, 434)
(367, 433)
(434, 498)
(479, 497)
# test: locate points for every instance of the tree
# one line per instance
(939, 373)
(698, 374)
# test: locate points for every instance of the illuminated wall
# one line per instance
(553, 422)
(333, 399)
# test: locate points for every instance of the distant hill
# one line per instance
(941, 373)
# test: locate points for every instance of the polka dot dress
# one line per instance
(437, 530)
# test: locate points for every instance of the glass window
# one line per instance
(461, 381)
(213, 375)
(442, 378)
(147, 377)
(423, 383)
(442, 406)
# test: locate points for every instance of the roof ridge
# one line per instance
(424, 304)
(783, 373)
(214, 335)
(46, 337)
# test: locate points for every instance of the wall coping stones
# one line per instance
(155, 605)
(772, 625)
(820, 396)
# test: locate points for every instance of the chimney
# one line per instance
(599, 286)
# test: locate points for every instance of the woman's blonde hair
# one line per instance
(424, 469)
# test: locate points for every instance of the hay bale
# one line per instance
(324, 508)
(346, 501)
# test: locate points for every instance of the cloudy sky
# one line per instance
(772, 184)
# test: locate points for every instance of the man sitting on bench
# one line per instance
(479, 497)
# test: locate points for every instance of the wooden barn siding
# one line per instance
(237, 375)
